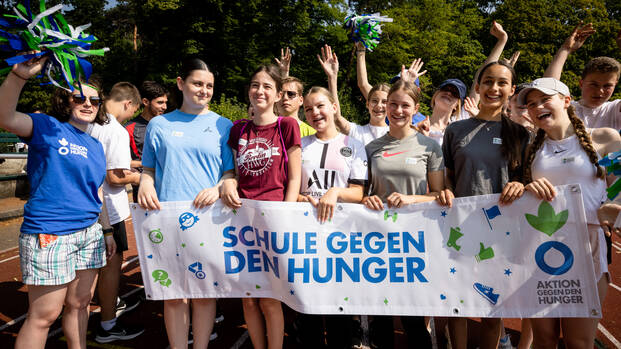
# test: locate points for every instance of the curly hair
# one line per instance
(61, 103)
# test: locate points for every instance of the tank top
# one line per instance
(565, 162)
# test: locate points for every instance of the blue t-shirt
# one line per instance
(188, 152)
(65, 168)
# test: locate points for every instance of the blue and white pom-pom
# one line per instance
(48, 32)
(365, 29)
(612, 163)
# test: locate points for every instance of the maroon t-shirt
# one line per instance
(260, 157)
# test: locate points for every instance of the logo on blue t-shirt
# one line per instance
(63, 150)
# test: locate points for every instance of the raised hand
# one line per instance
(413, 72)
(471, 106)
(30, 68)
(498, 32)
(329, 61)
(514, 58)
(577, 37)
(284, 63)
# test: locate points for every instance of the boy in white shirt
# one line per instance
(120, 104)
(599, 78)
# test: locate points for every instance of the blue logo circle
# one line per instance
(562, 248)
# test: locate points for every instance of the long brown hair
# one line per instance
(513, 135)
(583, 137)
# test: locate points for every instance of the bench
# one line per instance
(7, 147)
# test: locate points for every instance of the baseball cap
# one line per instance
(461, 87)
(548, 86)
(398, 76)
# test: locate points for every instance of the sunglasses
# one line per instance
(77, 99)
(291, 94)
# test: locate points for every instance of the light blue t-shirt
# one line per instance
(188, 152)
(65, 168)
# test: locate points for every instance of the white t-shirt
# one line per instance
(334, 163)
(367, 133)
(606, 115)
(115, 141)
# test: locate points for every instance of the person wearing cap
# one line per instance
(566, 152)
(446, 104)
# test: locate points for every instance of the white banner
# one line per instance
(476, 259)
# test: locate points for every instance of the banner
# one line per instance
(477, 259)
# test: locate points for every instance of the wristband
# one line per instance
(14, 73)
(108, 232)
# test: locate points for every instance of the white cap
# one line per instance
(548, 86)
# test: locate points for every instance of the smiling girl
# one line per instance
(61, 245)
(268, 161)
(192, 138)
(565, 152)
(402, 165)
(484, 155)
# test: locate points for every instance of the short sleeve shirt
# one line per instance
(261, 161)
(472, 150)
(402, 165)
(115, 142)
(136, 128)
(366, 133)
(65, 168)
(306, 129)
(188, 152)
(333, 163)
(606, 115)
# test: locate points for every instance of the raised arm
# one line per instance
(10, 90)
(501, 40)
(361, 70)
(330, 65)
(575, 40)
(284, 63)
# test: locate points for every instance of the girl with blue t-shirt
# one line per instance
(61, 245)
(193, 139)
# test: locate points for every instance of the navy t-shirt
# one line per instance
(65, 168)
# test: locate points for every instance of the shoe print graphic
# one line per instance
(487, 292)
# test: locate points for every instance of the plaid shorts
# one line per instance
(56, 262)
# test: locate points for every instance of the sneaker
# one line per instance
(219, 316)
(487, 292)
(356, 335)
(122, 307)
(118, 332)
(505, 342)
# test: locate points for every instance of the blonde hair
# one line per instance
(455, 114)
(321, 90)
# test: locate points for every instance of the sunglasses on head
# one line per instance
(78, 99)
(291, 94)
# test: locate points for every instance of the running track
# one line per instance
(231, 332)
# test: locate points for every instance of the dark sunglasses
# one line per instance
(77, 99)
(291, 94)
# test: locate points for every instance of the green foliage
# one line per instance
(229, 108)
(149, 39)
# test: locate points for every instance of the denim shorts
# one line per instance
(55, 262)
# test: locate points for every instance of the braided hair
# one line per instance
(583, 137)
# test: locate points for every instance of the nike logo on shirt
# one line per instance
(559, 151)
(387, 155)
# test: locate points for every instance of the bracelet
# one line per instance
(361, 51)
(14, 73)
(107, 235)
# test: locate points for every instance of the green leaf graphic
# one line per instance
(547, 221)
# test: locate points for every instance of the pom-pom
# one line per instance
(48, 32)
(365, 29)
(612, 164)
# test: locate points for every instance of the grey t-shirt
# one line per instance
(401, 165)
(471, 150)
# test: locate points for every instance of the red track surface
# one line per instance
(230, 332)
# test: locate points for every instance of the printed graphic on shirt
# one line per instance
(73, 148)
(256, 156)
